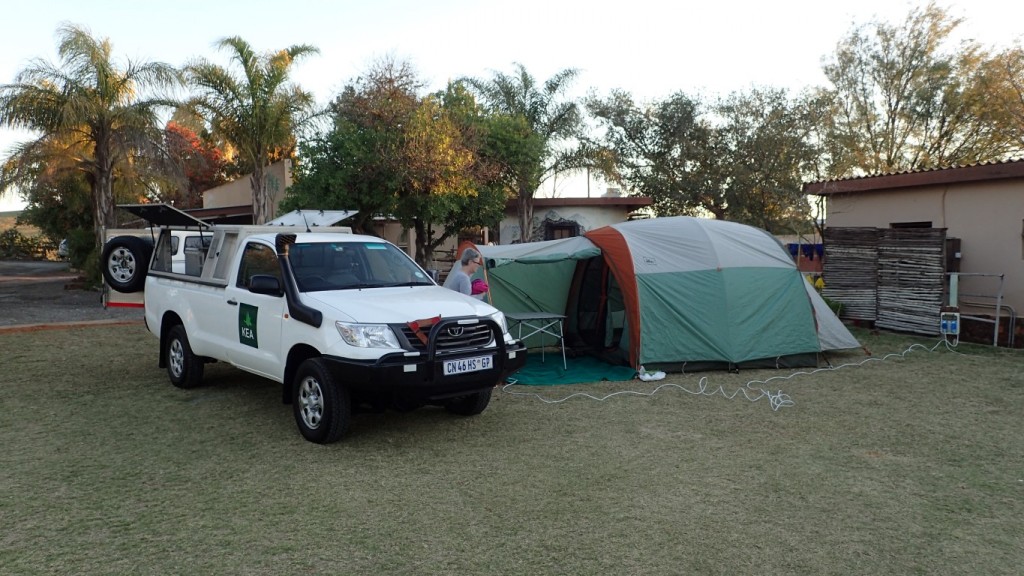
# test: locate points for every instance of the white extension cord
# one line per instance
(751, 391)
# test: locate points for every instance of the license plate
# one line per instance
(464, 365)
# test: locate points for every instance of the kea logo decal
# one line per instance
(247, 315)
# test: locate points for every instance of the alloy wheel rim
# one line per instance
(176, 358)
(311, 403)
(122, 264)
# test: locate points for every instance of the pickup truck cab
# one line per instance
(340, 320)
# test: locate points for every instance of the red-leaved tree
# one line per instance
(201, 162)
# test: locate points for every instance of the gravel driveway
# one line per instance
(34, 293)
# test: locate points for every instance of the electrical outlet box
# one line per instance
(949, 323)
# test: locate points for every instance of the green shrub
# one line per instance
(81, 244)
(16, 246)
(92, 269)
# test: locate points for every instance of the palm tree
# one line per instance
(258, 112)
(548, 120)
(91, 117)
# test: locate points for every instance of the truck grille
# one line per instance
(451, 338)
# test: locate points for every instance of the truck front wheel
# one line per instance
(469, 405)
(184, 367)
(322, 407)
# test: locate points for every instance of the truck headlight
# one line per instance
(368, 335)
(499, 317)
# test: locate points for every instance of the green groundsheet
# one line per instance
(579, 370)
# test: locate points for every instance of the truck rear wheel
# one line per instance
(322, 406)
(125, 259)
(469, 405)
(183, 366)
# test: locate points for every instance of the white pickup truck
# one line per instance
(341, 320)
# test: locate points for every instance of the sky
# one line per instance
(649, 48)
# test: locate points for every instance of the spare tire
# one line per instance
(125, 260)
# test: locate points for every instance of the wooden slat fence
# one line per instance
(911, 276)
(850, 271)
(892, 277)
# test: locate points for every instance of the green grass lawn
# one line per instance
(912, 465)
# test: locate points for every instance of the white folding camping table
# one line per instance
(543, 323)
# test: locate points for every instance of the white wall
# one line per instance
(588, 217)
(988, 217)
(239, 192)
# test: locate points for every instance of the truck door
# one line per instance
(256, 324)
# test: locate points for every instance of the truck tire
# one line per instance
(183, 366)
(125, 259)
(322, 406)
(469, 405)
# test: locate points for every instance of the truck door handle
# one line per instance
(233, 302)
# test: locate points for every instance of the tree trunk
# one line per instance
(260, 200)
(102, 200)
(525, 205)
(361, 224)
(423, 252)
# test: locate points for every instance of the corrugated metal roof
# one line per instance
(996, 170)
(625, 201)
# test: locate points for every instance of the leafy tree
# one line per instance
(58, 205)
(394, 153)
(257, 111)
(903, 99)
(666, 150)
(1006, 95)
(337, 171)
(549, 147)
(201, 162)
(436, 174)
(741, 159)
(457, 183)
(767, 149)
(512, 146)
(92, 116)
(356, 164)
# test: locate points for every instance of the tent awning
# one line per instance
(575, 248)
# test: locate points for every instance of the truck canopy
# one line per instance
(167, 215)
(164, 215)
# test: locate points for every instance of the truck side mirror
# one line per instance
(265, 284)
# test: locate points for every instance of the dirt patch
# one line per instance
(34, 294)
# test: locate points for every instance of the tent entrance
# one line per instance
(598, 310)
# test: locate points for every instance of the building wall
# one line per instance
(987, 217)
(588, 217)
(239, 192)
(393, 232)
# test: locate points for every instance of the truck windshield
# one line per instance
(320, 266)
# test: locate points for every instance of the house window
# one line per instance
(910, 225)
(559, 232)
(561, 228)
